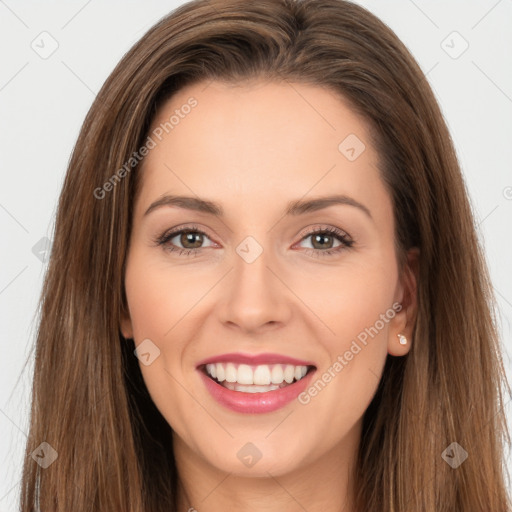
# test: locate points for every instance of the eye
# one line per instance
(185, 241)
(188, 241)
(323, 240)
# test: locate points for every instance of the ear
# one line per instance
(125, 324)
(406, 295)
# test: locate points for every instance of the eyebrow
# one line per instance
(298, 207)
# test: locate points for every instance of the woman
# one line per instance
(266, 289)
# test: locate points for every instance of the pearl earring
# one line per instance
(402, 338)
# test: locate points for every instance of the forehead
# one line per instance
(263, 141)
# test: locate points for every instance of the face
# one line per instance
(277, 276)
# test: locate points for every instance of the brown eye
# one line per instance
(187, 241)
(327, 241)
(191, 239)
(322, 241)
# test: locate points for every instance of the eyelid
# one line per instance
(177, 230)
(321, 228)
(346, 240)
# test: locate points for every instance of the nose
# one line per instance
(255, 296)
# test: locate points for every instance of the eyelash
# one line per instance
(346, 242)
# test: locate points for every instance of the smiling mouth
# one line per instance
(255, 378)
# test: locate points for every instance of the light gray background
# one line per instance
(43, 103)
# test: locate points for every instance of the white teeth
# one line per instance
(262, 375)
(219, 370)
(212, 370)
(249, 389)
(289, 373)
(231, 373)
(244, 374)
(277, 374)
(260, 378)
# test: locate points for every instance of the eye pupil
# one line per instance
(320, 238)
(189, 237)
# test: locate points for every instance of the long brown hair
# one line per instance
(90, 403)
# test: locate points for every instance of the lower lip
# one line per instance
(256, 403)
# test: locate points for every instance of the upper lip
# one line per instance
(254, 359)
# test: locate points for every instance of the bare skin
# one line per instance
(253, 149)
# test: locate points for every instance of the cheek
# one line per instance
(160, 296)
(356, 304)
(165, 307)
(364, 296)
(161, 303)
(352, 341)
(158, 301)
(350, 299)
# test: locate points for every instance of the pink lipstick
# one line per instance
(255, 384)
